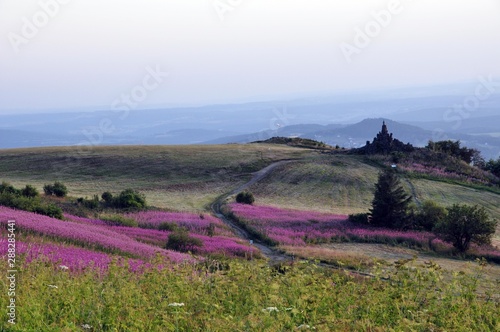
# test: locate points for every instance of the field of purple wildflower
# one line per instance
(194, 223)
(134, 242)
(69, 258)
(300, 228)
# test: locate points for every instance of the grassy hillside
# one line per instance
(338, 184)
(93, 275)
(344, 184)
(180, 177)
(190, 177)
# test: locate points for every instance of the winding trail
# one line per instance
(413, 192)
(273, 255)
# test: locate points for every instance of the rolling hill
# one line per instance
(80, 263)
(188, 178)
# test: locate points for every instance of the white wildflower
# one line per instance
(53, 286)
(176, 304)
(86, 327)
(270, 309)
(63, 267)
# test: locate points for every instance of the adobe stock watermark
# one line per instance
(223, 7)
(95, 135)
(363, 36)
(11, 272)
(32, 26)
(460, 112)
(280, 119)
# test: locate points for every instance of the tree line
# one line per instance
(459, 224)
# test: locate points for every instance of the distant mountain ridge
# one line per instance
(221, 124)
(356, 135)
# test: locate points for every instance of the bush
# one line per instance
(50, 210)
(466, 224)
(130, 199)
(181, 241)
(91, 204)
(24, 200)
(29, 191)
(493, 166)
(48, 189)
(15, 201)
(6, 187)
(245, 198)
(58, 189)
(429, 216)
(107, 197)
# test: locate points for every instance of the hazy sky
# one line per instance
(97, 53)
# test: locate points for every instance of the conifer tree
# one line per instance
(390, 204)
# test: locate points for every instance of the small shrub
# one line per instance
(466, 224)
(107, 197)
(29, 191)
(48, 189)
(181, 241)
(91, 204)
(50, 210)
(58, 189)
(130, 199)
(245, 198)
(429, 216)
(6, 187)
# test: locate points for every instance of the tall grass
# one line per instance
(246, 296)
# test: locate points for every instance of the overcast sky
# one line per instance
(91, 53)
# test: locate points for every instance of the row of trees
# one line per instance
(454, 149)
(470, 156)
(127, 199)
(493, 166)
(27, 199)
(459, 224)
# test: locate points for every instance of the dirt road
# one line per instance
(273, 255)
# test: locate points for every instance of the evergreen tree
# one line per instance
(390, 204)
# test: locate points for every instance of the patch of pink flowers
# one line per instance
(440, 172)
(293, 227)
(67, 257)
(82, 220)
(226, 246)
(90, 235)
(229, 246)
(195, 223)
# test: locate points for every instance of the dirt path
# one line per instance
(273, 255)
(259, 175)
(413, 192)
